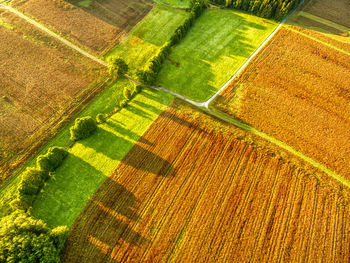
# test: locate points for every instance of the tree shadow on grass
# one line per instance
(144, 160)
(104, 224)
(138, 112)
(131, 135)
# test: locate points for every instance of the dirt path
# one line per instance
(53, 34)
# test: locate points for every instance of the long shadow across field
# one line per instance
(104, 224)
(219, 42)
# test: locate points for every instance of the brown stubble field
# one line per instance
(42, 84)
(82, 27)
(331, 23)
(187, 193)
(337, 11)
(297, 90)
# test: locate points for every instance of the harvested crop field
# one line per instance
(297, 90)
(97, 34)
(189, 194)
(337, 11)
(42, 83)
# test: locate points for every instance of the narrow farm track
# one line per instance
(186, 194)
(53, 34)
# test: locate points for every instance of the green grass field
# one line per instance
(93, 159)
(98, 156)
(215, 48)
(151, 33)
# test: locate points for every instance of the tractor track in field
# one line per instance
(204, 105)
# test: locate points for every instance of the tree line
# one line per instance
(277, 9)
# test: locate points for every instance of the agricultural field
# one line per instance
(297, 90)
(216, 46)
(326, 21)
(95, 25)
(33, 101)
(148, 36)
(187, 193)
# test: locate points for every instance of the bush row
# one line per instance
(277, 9)
(150, 72)
(34, 178)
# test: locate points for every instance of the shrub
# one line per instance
(127, 93)
(123, 103)
(118, 67)
(138, 88)
(31, 183)
(52, 159)
(25, 239)
(83, 128)
(100, 118)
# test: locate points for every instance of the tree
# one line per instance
(127, 93)
(52, 159)
(25, 239)
(83, 128)
(118, 67)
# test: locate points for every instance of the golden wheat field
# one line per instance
(186, 193)
(297, 90)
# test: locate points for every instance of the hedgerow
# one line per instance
(82, 128)
(150, 72)
(277, 9)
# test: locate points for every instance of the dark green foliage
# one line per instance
(118, 68)
(150, 73)
(25, 239)
(32, 181)
(138, 88)
(277, 9)
(123, 103)
(100, 118)
(127, 93)
(197, 7)
(83, 128)
(52, 159)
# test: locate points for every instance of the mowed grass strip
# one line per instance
(217, 45)
(185, 193)
(297, 91)
(146, 38)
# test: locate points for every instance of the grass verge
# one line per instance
(215, 47)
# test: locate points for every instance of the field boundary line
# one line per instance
(318, 40)
(323, 21)
(282, 145)
(53, 34)
(207, 103)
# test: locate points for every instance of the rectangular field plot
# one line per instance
(214, 49)
(297, 90)
(97, 26)
(327, 21)
(189, 194)
(148, 36)
(41, 84)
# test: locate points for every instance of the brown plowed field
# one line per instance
(95, 30)
(41, 84)
(297, 90)
(186, 194)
